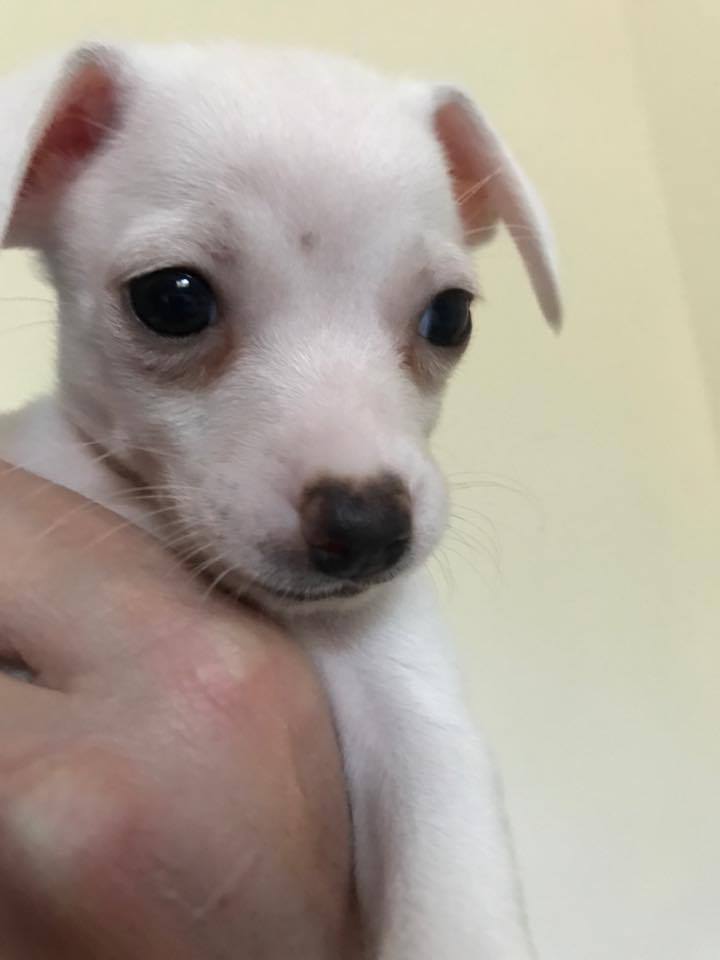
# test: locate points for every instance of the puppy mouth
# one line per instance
(342, 591)
(316, 593)
(284, 581)
(260, 590)
(236, 583)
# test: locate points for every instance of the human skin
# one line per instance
(170, 784)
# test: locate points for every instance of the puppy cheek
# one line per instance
(431, 510)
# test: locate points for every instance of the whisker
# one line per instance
(492, 555)
(219, 579)
(113, 450)
(484, 479)
(479, 541)
(200, 571)
(18, 328)
(103, 538)
(186, 557)
(47, 300)
(520, 230)
(473, 518)
(432, 568)
(483, 482)
(177, 494)
(44, 487)
(445, 568)
(477, 187)
(465, 559)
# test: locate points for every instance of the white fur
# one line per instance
(315, 196)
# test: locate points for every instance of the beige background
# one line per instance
(583, 568)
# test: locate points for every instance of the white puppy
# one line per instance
(263, 273)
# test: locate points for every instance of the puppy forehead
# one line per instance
(231, 90)
(312, 135)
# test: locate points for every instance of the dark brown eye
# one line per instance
(447, 320)
(173, 302)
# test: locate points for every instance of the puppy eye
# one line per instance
(447, 320)
(173, 302)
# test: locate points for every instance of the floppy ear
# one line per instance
(490, 187)
(53, 117)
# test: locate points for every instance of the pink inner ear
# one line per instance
(469, 169)
(81, 121)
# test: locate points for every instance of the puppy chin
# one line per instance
(284, 605)
(283, 595)
(304, 599)
(283, 584)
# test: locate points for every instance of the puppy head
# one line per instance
(262, 263)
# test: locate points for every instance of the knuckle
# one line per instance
(227, 668)
(70, 822)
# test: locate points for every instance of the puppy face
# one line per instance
(264, 283)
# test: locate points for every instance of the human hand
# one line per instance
(170, 786)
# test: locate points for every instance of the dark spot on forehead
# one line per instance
(224, 255)
(308, 240)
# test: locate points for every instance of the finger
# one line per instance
(11, 665)
(71, 595)
(28, 714)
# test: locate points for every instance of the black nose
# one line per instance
(356, 531)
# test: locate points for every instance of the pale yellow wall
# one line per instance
(676, 48)
(591, 643)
